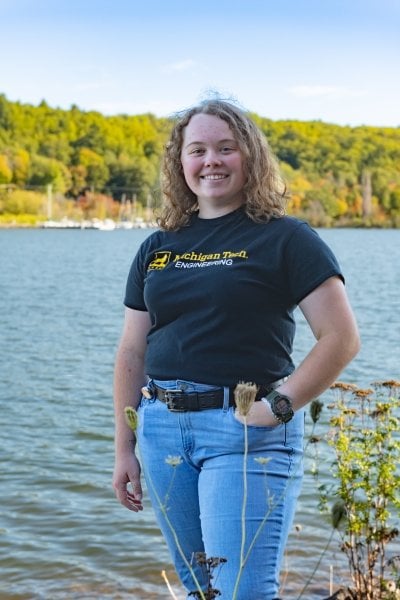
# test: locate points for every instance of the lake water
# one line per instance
(62, 533)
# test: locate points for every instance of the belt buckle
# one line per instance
(170, 397)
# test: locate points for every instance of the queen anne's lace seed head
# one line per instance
(245, 395)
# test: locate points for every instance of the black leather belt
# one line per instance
(182, 401)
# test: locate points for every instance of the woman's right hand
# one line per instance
(126, 481)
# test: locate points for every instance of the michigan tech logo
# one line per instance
(160, 260)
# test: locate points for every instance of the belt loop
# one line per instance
(226, 399)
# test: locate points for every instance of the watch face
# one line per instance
(282, 405)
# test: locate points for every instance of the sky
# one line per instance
(337, 61)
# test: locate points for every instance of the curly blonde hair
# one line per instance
(264, 190)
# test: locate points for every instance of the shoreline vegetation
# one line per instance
(84, 167)
(31, 221)
(110, 225)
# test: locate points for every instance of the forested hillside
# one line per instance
(94, 163)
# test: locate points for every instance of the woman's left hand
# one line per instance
(260, 415)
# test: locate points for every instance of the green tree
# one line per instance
(97, 172)
(5, 169)
(19, 202)
(45, 171)
(20, 166)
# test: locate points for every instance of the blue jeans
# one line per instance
(199, 501)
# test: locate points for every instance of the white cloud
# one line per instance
(331, 91)
(183, 65)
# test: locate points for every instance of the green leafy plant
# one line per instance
(365, 437)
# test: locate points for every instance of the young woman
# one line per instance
(209, 303)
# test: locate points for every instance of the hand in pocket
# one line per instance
(260, 415)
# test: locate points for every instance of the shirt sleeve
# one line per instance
(134, 291)
(309, 262)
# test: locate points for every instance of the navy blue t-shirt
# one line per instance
(221, 294)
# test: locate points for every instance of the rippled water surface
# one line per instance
(62, 534)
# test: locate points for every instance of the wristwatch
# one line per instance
(281, 406)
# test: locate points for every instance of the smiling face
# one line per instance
(213, 165)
